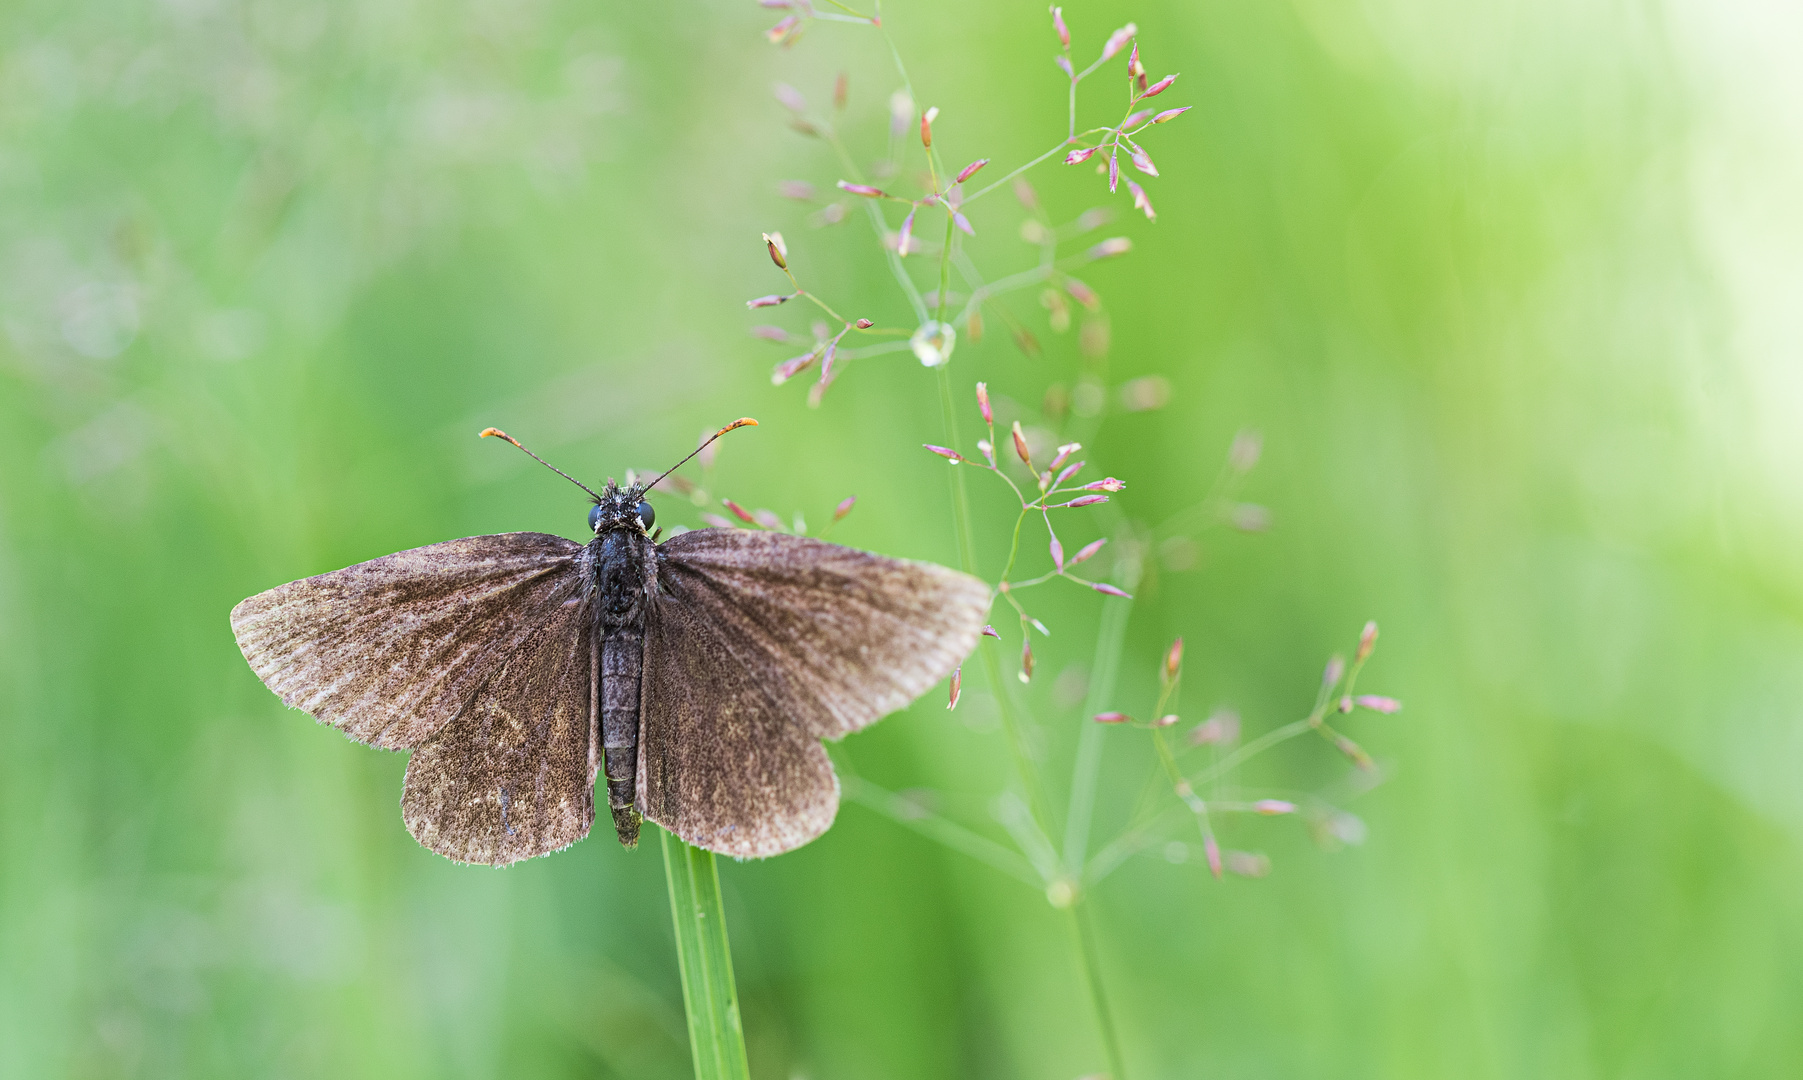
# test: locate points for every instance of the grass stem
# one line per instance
(1098, 995)
(716, 1036)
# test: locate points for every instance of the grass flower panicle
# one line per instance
(918, 230)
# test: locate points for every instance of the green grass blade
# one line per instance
(716, 1037)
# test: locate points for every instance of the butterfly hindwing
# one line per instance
(512, 776)
(387, 651)
(759, 644)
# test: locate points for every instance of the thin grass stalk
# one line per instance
(1098, 994)
(716, 1036)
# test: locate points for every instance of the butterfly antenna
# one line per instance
(499, 434)
(743, 421)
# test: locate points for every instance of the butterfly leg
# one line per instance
(622, 656)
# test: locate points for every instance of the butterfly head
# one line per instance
(621, 508)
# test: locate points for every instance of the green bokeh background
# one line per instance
(1504, 287)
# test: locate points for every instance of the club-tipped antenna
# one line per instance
(743, 421)
(499, 434)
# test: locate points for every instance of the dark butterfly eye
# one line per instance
(646, 514)
(594, 518)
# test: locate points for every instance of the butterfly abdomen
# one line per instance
(622, 656)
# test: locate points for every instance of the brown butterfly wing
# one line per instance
(758, 645)
(387, 651)
(513, 775)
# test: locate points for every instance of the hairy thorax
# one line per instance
(625, 573)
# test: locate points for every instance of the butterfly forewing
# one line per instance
(513, 775)
(758, 644)
(389, 650)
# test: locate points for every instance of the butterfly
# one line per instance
(696, 677)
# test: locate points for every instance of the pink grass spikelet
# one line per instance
(1143, 161)
(1136, 119)
(983, 404)
(863, 324)
(1167, 720)
(826, 360)
(790, 368)
(970, 170)
(844, 507)
(778, 250)
(1109, 248)
(1109, 590)
(1145, 393)
(1064, 65)
(717, 521)
(1081, 500)
(1273, 807)
(1118, 40)
(1064, 453)
(1134, 67)
(1064, 32)
(1377, 703)
(1107, 484)
(988, 451)
(1367, 642)
(1114, 169)
(1248, 864)
(1024, 192)
(1020, 446)
(782, 31)
(957, 684)
(1057, 554)
(768, 301)
(789, 97)
(1026, 656)
(1171, 114)
(841, 91)
(1088, 551)
(1173, 660)
(945, 452)
(901, 110)
(862, 189)
(1218, 730)
(989, 631)
(1160, 86)
(1113, 718)
(1082, 294)
(799, 190)
(926, 126)
(1069, 471)
(907, 234)
(738, 511)
(770, 333)
(963, 224)
(769, 520)
(1334, 672)
(1141, 202)
(1213, 851)
(1078, 157)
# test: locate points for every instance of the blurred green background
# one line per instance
(1509, 289)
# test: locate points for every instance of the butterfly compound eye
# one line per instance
(594, 518)
(646, 514)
